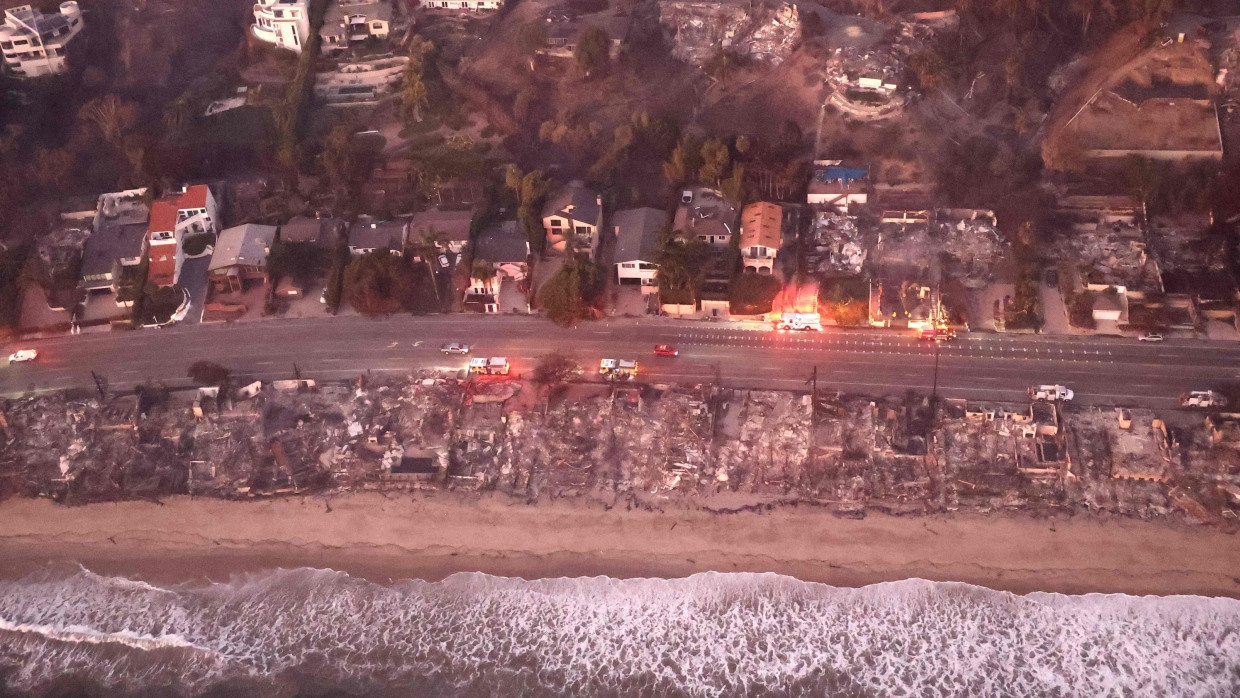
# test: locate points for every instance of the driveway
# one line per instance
(194, 280)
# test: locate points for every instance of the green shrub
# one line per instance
(197, 244)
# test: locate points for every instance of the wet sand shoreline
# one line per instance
(391, 537)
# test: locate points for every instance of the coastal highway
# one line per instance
(977, 366)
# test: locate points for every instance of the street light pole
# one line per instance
(934, 395)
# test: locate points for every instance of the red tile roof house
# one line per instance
(174, 218)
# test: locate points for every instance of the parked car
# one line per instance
(665, 350)
(1150, 337)
(23, 355)
(1051, 393)
(1052, 277)
(455, 348)
(323, 297)
(443, 261)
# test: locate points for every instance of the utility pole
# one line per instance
(101, 384)
(813, 417)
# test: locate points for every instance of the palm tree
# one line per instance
(413, 95)
(110, 114)
(530, 189)
(428, 244)
(337, 155)
(484, 271)
(52, 167)
(178, 115)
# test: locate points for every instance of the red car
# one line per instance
(665, 350)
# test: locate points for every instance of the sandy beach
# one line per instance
(416, 536)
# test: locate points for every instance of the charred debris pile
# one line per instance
(643, 445)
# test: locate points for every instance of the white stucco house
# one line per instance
(35, 44)
(282, 23)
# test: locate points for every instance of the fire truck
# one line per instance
(617, 369)
(494, 366)
(799, 322)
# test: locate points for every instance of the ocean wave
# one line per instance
(708, 634)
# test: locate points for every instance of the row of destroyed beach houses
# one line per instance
(433, 429)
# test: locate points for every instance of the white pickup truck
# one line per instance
(1051, 393)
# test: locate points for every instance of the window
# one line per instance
(279, 14)
(6, 44)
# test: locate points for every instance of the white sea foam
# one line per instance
(709, 634)
(79, 633)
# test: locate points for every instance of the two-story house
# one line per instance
(175, 218)
(449, 230)
(836, 186)
(35, 44)
(705, 224)
(107, 253)
(564, 32)
(503, 249)
(349, 22)
(117, 241)
(637, 237)
(573, 211)
(464, 5)
(283, 23)
(321, 231)
(761, 235)
(240, 256)
(367, 236)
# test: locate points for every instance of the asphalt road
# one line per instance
(991, 367)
